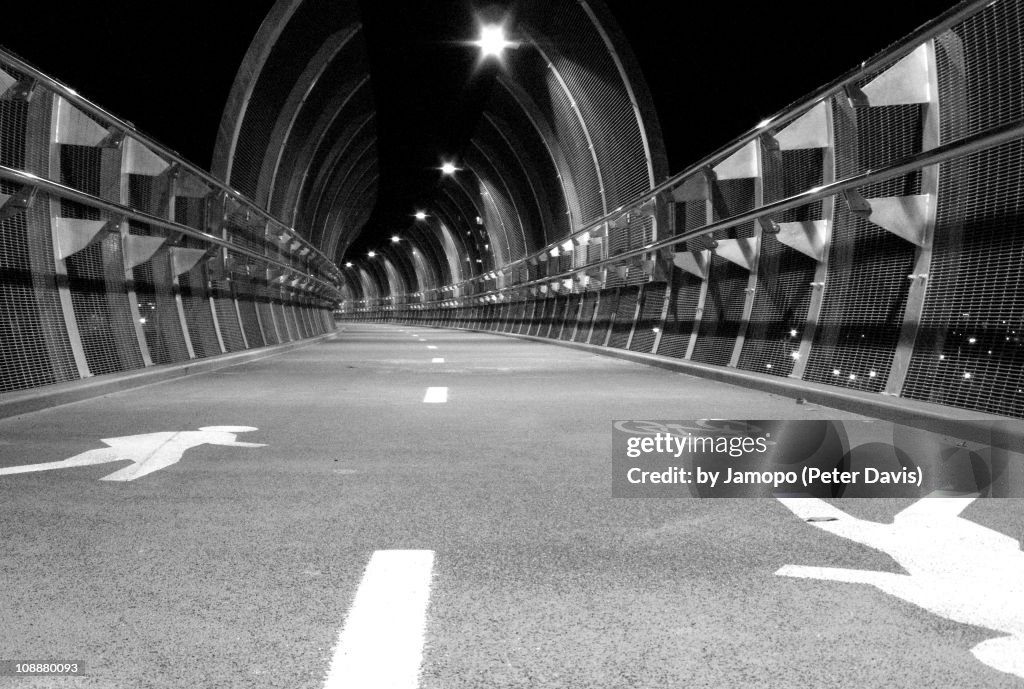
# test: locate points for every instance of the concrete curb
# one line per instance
(23, 402)
(999, 431)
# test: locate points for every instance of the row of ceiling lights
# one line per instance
(492, 43)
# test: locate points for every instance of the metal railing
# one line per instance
(877, 252)
(120, 255)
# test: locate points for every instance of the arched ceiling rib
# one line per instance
(562, 132)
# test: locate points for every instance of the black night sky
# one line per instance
(714, 69)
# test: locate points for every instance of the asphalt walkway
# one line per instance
(459, 482)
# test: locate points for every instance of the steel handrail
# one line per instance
(904, 47)
(73, 97)
(27, 178)
(1012, 131)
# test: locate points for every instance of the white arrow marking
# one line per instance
(148, 452)
(956, 568)
(381, 644)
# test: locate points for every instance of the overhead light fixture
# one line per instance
(448, 168)
(395, 239)
(349, 264)
(420, 215)
(492, 41)
(371, 254)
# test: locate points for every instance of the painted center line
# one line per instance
(437, 360)
(436, 396)
(381, 644)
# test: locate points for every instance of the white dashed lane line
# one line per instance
(437, 360)
(431, 347)
(435, 396)
(381, 644)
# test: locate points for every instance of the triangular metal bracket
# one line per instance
(139, 160)
(810, 130)
(20, 91)
(75, 127)
(71, 235)
(6, 82)
(743, 252)
(694, 263)
(904, 216)
(807, 237)
(857, 204)
(740, 165)
(188, 185)
(184, 259)
(21, 201)
(693, 188)
(139, 249)
(905, 83)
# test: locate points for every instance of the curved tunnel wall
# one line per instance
(117, 255)
(568, 134)
(297, 134)
(887, 260)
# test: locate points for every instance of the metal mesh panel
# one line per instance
(606, 308)
(504, 219)
(149, 194)
(557, 317)
(519, 317)
(638, 231)
(514, 128)
(190, 211)
(624, 313)
(690, 215)
(779, 313)
(532, 312)
(308, 27)
(270, 334)
(307, 324)
(970, 347)
(300, 327)
(731, 197)
(537, 316)
(227, 316)
(158, 309)
(33, 342)
(586, 318)
(572, 309)
(601, 96)
(787, 173)
(13, 127)
(866, 288)
(613, 277)
(980, 69)
(871, 138)
(196, 304)
(247, 310)
(865, 295)
(684, 297)
(653, 303)
(97, 284)
(723, 312)
(287, 331)
(80, 167)
(547, 91)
